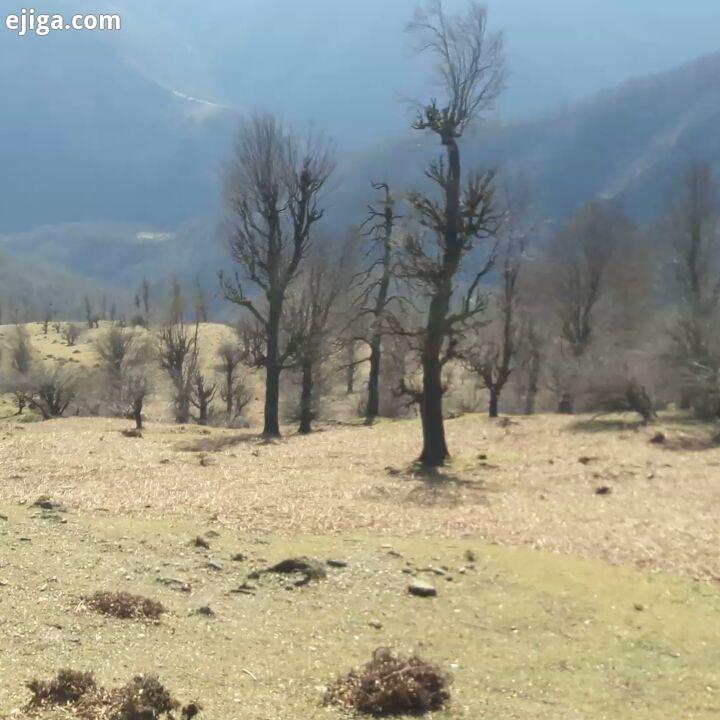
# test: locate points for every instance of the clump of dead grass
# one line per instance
(64, 689)
(143, 698)
(125, 606)
(391, 685)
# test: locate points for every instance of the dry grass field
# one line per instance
(593, 594)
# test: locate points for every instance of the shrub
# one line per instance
(391, 685)
(68, 687)
(125, 606)
(143, 698)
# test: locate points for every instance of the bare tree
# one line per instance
(232, 390)
(493, 359)
(579, 258)
(178, 358)
(694, 233)
(71, 332)
(51, 391)
(470, 69)
(201, 308)
(379, 289)
(137, 376)
(177, 302)
(47, 317)
(21, 362)
(113, 347)
(309, 317)
(203, 392)
(272, 189)
(90, 314)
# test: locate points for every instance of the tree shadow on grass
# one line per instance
(605, 424)
(224, 442)
(445, 488)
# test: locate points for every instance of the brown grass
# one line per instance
(143, 698)
(529, 490)
(392, 685)
(125, 606)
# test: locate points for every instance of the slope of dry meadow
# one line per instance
(575, 561)
(532, 482)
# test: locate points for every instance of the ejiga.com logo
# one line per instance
(29, 22)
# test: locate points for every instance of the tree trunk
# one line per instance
(373, 401)
(533, 379)
(182, 415)
(306, 399)
(494, 398)
(137, 414)
(350, 371)
(435, 451)
(566, 404)
(273, 369)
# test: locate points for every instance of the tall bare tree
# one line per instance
(309, 319)
(272, 191)
(378, 283)
(494, 358)
(178, 354)
(470, 69)
(694, 234)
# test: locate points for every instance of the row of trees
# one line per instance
(599, 311)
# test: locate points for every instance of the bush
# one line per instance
(391, 685)
(68, 687)
(125, 606)
(143, 698)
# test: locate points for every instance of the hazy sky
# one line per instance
(333, 59)
(347, 63)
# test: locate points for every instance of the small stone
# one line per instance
(375, 624)
(603, 490)
(201, 542)
(238, 557)
(3, 517)
(205, 610)
(175, 584)
(337, 563)
(639, 607)
(422, 589)
(470, 556)
(215, 566)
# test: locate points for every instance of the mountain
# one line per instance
(160, 163)
(628, 143)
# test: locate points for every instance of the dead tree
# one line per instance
(272, 192)
(71, 332)
(578, 264)
(493, 361)
(203, 392)
(233, 389)
(531, 343)
(178, 353)
(112, 348)
(693, 227)
(51, 391)
(379, 289)
(47, 317)
(200, 301)
(471, 69)
(136, 376)
(579, 258)
(309, 321)
(90, 315)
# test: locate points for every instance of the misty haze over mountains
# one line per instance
(112, 144)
